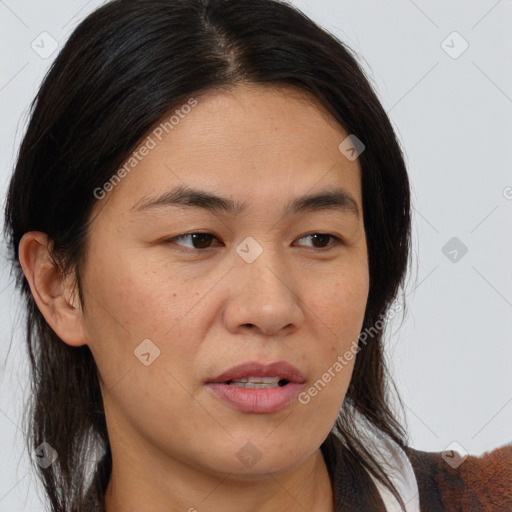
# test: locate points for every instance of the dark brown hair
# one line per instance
(122, 70)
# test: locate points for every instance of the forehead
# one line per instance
(257, 122)
(249, 141)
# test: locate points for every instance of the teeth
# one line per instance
(259, 380)
(252, 385)
(256, 382)
(264, 380)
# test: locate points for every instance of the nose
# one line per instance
(263, 297)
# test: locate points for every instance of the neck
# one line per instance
(178, 488)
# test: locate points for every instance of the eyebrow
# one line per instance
(336, 198)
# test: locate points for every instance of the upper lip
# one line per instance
(280, 369)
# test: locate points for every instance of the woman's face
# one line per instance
(167, 313)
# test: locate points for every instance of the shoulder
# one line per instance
(477, 483)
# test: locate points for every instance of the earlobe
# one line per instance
(52, 291)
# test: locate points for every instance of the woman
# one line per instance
(210, 220)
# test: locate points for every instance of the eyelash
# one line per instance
(188, 249)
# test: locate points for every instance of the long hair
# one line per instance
(121, 71)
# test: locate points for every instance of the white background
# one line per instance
(452, 356)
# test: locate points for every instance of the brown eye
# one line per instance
(198, 240)
(322, 239)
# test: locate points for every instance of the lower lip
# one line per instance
(256, 401)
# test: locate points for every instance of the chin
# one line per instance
(259, 463)
(262, 472)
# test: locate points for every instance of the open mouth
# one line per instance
(257, 388)
(258, 382)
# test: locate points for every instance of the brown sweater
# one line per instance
(479, 484)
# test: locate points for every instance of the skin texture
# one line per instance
(174, 443)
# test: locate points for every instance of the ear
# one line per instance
(52, 292)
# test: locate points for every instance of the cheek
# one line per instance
(138, 327)
(134, 317)
(336, 308)
(339, 302)
(130, 297)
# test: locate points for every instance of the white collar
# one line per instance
(400, 473)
